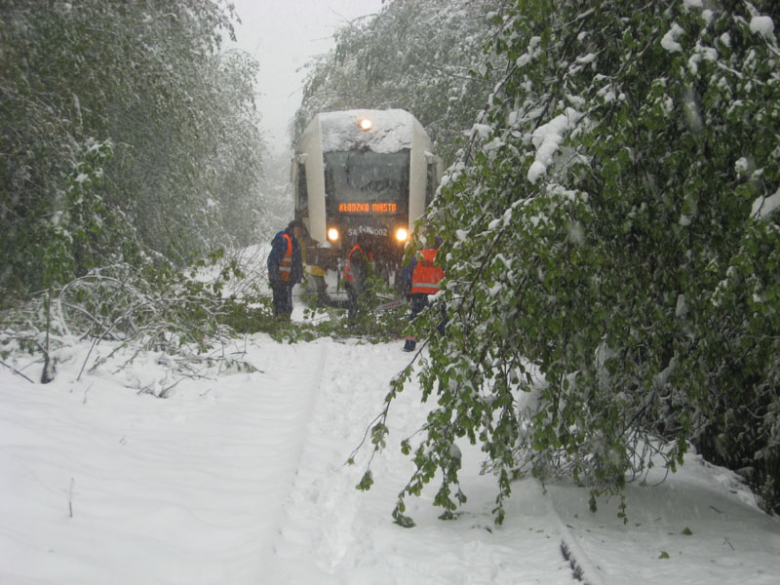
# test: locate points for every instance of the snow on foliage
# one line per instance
(669, 42)
(422, 56)
(623, 197)
(764, 26)
(547, 139)
(765, 206)
(123, 124)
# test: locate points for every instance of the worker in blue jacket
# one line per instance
(285, 267)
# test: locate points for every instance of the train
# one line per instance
(362, 172)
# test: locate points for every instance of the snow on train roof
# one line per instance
(392, 130)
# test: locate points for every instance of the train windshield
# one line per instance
(367, 177)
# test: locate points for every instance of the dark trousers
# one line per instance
(352, 296)
(419, 302)
(283, 303)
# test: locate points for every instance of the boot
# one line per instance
(410, 345)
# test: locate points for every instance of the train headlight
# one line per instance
(366, 124)
(333, 234)
(401, 234)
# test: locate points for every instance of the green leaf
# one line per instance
(366, 482)
(402, 520)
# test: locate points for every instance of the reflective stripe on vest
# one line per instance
(426, 276)
(347, 272)
(285, 265)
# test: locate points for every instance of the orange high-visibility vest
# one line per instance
(347, 272)
(285, 265)
(426, 276)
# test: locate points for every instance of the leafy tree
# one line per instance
(140, 88)
(276, 195)
(424, 56)
(612, 253)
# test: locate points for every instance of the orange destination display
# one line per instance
(368, 207)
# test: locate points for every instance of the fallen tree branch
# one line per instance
(17, 372)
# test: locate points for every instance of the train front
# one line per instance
(368, 193)
(369, 173)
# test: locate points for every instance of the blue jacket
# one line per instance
(278, 250)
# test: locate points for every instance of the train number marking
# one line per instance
(364, 229)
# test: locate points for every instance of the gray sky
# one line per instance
(283, 35)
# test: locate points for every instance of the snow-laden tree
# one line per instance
(612, 252)
(276, 195)
(424, 56)
(123, 129)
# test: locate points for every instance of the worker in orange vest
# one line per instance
(355, 273)
(285, 267)
(423, 278)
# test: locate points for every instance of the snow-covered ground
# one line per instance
(239, 477)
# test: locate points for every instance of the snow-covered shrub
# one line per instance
(126, 308)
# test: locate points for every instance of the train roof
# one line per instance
(392, 130)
